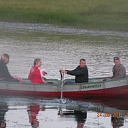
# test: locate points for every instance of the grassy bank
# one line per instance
(89, 14)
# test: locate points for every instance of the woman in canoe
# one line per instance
(35, 75)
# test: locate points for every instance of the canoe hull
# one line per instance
(116, 92)
(96, 88)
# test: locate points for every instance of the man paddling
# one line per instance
(80, 73)
(118, 70)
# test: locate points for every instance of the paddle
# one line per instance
(62, 84)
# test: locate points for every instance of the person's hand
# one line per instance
(63, 71)
(60, 70)
(44, 73)
(108, 78)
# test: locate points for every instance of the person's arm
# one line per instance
(65, 71)
(78, 72)
(112, 72)
(30, 75)
(5, 72)
(109, 78)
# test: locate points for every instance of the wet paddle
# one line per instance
(62, 84)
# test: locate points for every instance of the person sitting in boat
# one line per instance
(80, 73)
(4, 73)
(35, 75)
(118, 70)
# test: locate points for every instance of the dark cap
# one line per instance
(116, 58)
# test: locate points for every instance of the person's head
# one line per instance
(5, 58)
(35, 124)
(37, 62)
(82, 63)
(117, 61)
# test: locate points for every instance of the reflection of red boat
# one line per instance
(96, 87)
(115, 109)
(104, 107)
(119, 103)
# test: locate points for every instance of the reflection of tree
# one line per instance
(117, 122)
(3, 110)
(32, 113)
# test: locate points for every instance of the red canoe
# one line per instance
(95, 88)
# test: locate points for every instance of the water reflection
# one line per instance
(115, 109)
(3, 110)
(33, 111)
(80, 116)
(117, 122)
(46, 113)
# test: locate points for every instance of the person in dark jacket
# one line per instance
(80, 73)
(4, 73)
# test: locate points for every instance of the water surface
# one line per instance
(61, 48)
(16, 113)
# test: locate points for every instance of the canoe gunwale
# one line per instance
(53, 84)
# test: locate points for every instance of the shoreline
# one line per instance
(49, 28)
(103, 15)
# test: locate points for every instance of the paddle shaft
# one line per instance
(62, 84)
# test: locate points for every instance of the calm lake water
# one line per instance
(62, 48)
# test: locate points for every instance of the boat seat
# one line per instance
(27, 81)
(50, 83)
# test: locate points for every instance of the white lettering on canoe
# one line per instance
(90, 86)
